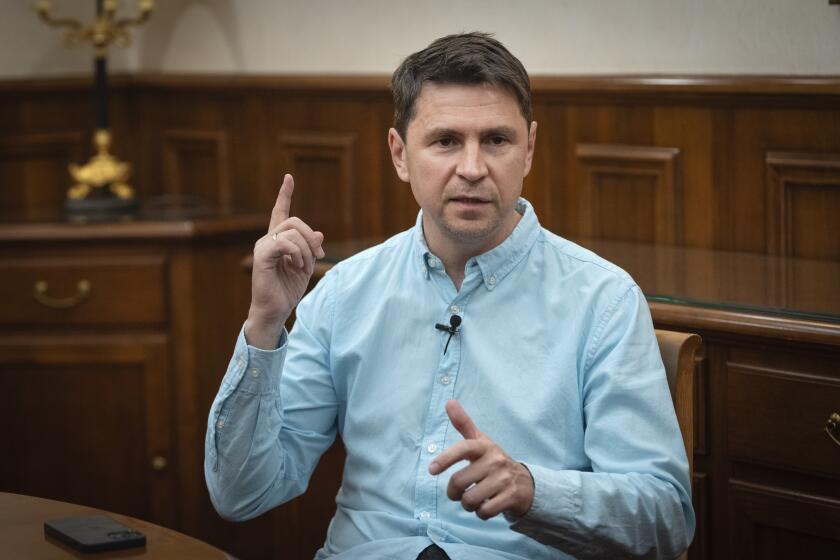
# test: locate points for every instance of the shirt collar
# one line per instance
(496, 263)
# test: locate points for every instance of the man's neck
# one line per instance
(454, 256)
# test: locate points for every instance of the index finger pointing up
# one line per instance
(280, 212)
(461, 420)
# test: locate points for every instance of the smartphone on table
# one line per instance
(94, 533)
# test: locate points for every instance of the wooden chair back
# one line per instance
(678, 350)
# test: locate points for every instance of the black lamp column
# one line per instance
(100, 67)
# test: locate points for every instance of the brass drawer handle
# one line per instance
(39, 291)
(832, 427)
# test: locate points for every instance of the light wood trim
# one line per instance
(176, 229)
(772, 327)
(378, 83)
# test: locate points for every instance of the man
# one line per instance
(498, 389)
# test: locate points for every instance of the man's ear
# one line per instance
(398, 155)
(532, 140)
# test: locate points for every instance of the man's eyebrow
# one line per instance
(439, 132)
(507, 131)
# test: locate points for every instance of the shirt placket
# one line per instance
(437, 421)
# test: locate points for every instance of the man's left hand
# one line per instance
(493, 482)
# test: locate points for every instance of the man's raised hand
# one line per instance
(493, 482)
(284, 259)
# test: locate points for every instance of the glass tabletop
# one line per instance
(736, 281)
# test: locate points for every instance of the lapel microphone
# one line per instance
(454, 323)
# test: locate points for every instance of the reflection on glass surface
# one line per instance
(804, 288)
(750, 282)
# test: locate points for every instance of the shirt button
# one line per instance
(431, 448)
(445, 380)
(255, 372)
(491, 280)
(455, 309)
(220, 424)
(425, 515)
(433, 262)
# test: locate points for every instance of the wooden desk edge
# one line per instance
(743, 323)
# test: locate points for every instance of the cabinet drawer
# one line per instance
(777, 406)
(81, 291)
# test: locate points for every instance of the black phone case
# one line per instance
(94, 533)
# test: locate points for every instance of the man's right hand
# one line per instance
(284, 259)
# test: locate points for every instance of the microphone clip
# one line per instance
(452, 328)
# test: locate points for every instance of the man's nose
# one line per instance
(471, 166)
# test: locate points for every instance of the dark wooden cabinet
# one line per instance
(113, 340)
(767, 476)
(91, 421)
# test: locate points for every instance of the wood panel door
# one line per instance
(88, 421)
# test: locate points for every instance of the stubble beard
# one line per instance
(482, 230)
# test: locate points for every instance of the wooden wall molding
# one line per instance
(654, 170)
(209, 178)
(687, 156)
(619, 84)
(40, 143)
(791, 176)
(802, 206)
(33, 168)
(325, 162)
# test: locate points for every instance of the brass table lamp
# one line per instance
(101, 185)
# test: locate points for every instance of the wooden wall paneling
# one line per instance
(803, 205)
(374, 177)
(197, 162)
(194, 137)
(570, 122)
(378, 199)
(723, 164)
(323, 164)
(631, 193)
(399, 209)
(541, 184)
(808, 128)
(33, 169)
(690, 129)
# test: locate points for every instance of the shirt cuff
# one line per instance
(260, 369)
(556, 500)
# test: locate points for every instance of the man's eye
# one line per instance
(497, 140)
(444, 142)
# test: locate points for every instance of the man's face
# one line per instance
(467, 150)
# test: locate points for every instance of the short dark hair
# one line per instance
(466, 58)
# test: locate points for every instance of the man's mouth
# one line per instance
(469, 200)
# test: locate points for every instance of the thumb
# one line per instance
(461, 420)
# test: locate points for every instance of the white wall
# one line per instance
(372, 36)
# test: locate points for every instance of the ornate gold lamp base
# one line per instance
(101, 184)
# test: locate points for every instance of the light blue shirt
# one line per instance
(555, 360)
